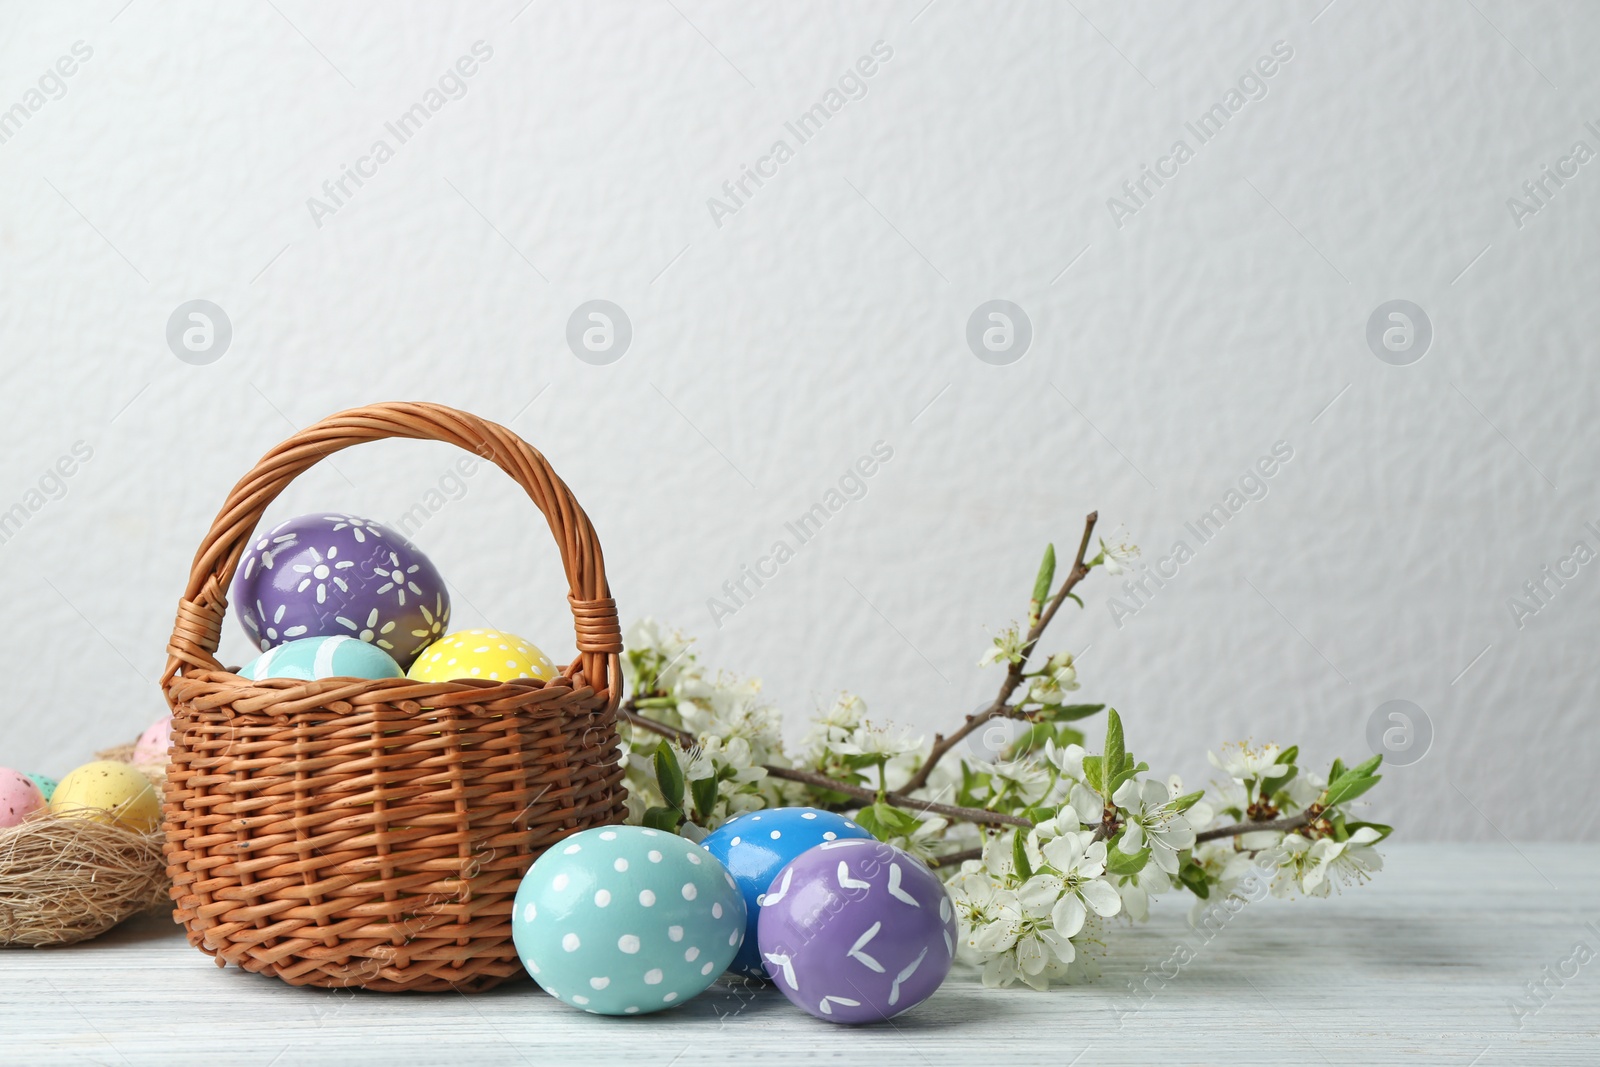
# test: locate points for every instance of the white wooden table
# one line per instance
(1422, 966)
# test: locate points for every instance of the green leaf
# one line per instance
(1348, 788)
(901, 821)
(1336, 770)
(1288, 755)
(869, 822)
(1069, 712)
(1091, 774)
(1019, 855)
(1038, 813)
(1041, 583)
(669, 776)
(1193, 876)
(666, 819)
(1188, 800)
(705, 797)
(1075, 599)
(886, 822)
(1367, 767)
(1129, 770)
(1112, 764)
(1120, 863)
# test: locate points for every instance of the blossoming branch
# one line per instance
(1042, 845)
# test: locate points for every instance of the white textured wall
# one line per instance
(1225, 314)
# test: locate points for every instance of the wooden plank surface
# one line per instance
(1422, 966)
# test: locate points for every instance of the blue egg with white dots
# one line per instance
(625, 920)
(757, 845)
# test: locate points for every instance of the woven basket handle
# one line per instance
(199, 624)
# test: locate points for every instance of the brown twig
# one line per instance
(1014, 672)
(978, 815)
(686, 740)
(1293, 822)
(682, 738)
(950, 859)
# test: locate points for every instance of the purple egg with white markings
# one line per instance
(857, 931)
(757, 845)
(334, 575)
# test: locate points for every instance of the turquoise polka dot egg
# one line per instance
(625, 920)
(310, 658)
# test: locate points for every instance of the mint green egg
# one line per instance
(47, 786)
(310, 658)
(624, 920)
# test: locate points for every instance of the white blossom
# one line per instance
(1153, 821)
(1022, 929)
(1313, 867)
(665, 656)
(835, 725)
(1008, 939)
(879, 741)
(1200, 813)
(1137, 889)
(1077, 866)
(1086, 804)
(991, 915)
(1306, 787)
(1058, 678)
(1007, 647)
(1353, 860)
(1064, 821)
(1067, 758)
(1117, 553)
(1020, 782)
(1244, 764)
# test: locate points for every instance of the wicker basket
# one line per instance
(346, 832)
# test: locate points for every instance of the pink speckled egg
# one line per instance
(19, 797)
(153, 743)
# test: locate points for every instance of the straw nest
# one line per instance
(64, 880)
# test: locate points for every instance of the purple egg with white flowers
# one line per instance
(857, 931)
(334, 575)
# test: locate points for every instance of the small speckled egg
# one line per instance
(326, 575)
(757, 845)
(47, 785)
(857, 931)
(153, 743)
(487, 654)
(110, 792)
(322, 657)
(624, 920)
(19, 797)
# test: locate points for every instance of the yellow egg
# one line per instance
(490, 655)
(109, 792)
